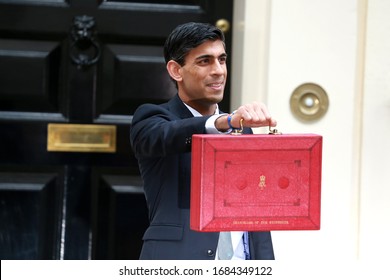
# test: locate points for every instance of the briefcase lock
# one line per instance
(273, 131)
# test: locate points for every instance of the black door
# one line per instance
(71, 75)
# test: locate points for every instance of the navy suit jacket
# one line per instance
(161, 139)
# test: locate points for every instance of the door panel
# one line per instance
(80, 62)
(124, 66)
(117, 202)
(28, 229)
(29, 75)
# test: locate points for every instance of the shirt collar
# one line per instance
(197, 114)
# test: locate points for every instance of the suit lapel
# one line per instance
(176, 106)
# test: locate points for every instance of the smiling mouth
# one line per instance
(215, 85)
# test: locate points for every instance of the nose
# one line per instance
(218, 67)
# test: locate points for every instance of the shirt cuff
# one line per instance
(210, 125)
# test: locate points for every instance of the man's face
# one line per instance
(204, 76)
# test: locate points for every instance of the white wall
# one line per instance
(344, 47)
(374, 238)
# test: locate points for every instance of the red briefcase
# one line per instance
(256, 182)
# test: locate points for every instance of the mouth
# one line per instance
(216, 85)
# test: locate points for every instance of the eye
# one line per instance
(204, 61)
(222, 59)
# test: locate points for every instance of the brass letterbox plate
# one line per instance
(81, 138)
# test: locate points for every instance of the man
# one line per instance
(161, 138)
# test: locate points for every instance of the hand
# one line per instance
(254, 114)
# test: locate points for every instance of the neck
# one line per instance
(205, 109)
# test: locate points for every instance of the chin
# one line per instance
(219, 97)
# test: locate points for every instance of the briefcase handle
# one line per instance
(238, 131)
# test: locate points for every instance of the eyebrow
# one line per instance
(209, 55)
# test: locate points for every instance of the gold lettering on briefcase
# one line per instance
(262, 184)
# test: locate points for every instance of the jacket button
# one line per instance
(210, 253)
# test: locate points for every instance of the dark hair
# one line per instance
(188, 36)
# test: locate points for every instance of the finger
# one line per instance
(252, 111)
(244, 113)
(258, 112)
(239, 114)
(273, 122)
(263, 111)
(259, 117)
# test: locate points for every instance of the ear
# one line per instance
(174, 70)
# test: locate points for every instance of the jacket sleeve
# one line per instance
(156, 132)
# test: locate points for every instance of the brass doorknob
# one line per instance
(223, 24)
(309, 102)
